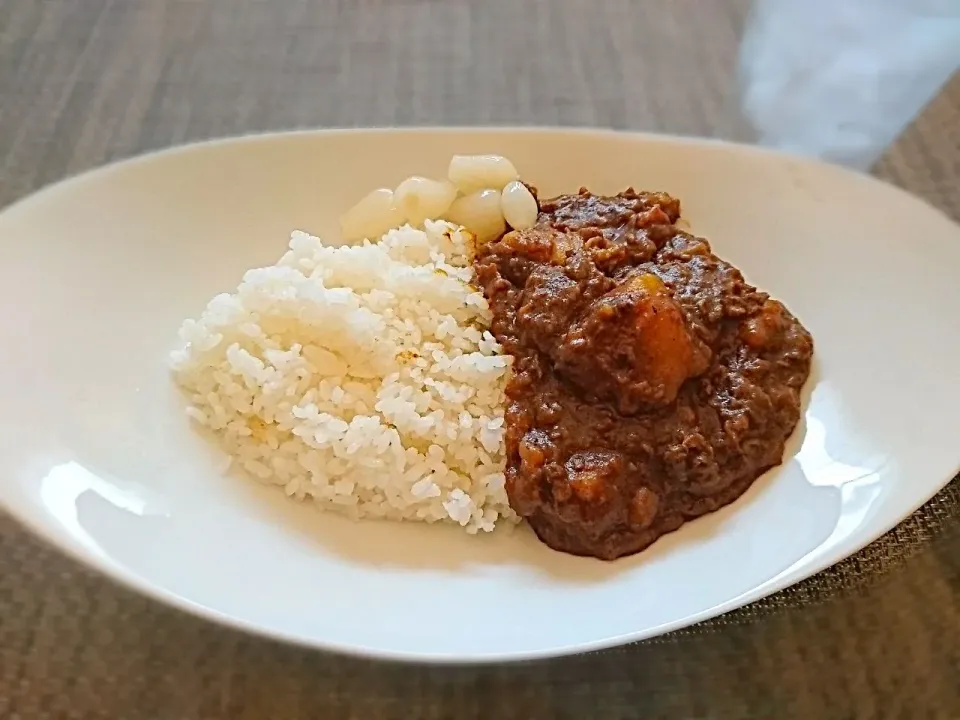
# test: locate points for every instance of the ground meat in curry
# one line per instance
(651, 385)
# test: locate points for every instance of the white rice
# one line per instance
(360, 377)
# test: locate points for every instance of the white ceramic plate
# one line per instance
(96, 456)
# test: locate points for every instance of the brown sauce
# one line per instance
(651, 385)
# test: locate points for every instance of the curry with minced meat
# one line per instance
(651, 383)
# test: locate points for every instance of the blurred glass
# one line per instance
(840, 79)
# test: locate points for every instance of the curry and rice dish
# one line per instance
(479, 355)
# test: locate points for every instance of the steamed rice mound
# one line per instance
(360, 377)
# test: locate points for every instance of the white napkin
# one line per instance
(840, 79)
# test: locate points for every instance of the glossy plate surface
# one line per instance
(96, 455)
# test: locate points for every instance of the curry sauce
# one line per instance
(651, 383)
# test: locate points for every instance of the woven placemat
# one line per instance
(83, 82)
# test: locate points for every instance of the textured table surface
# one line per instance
(83, 82)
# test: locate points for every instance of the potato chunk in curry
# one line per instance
(632, 346)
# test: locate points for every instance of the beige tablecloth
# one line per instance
(87, 81)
